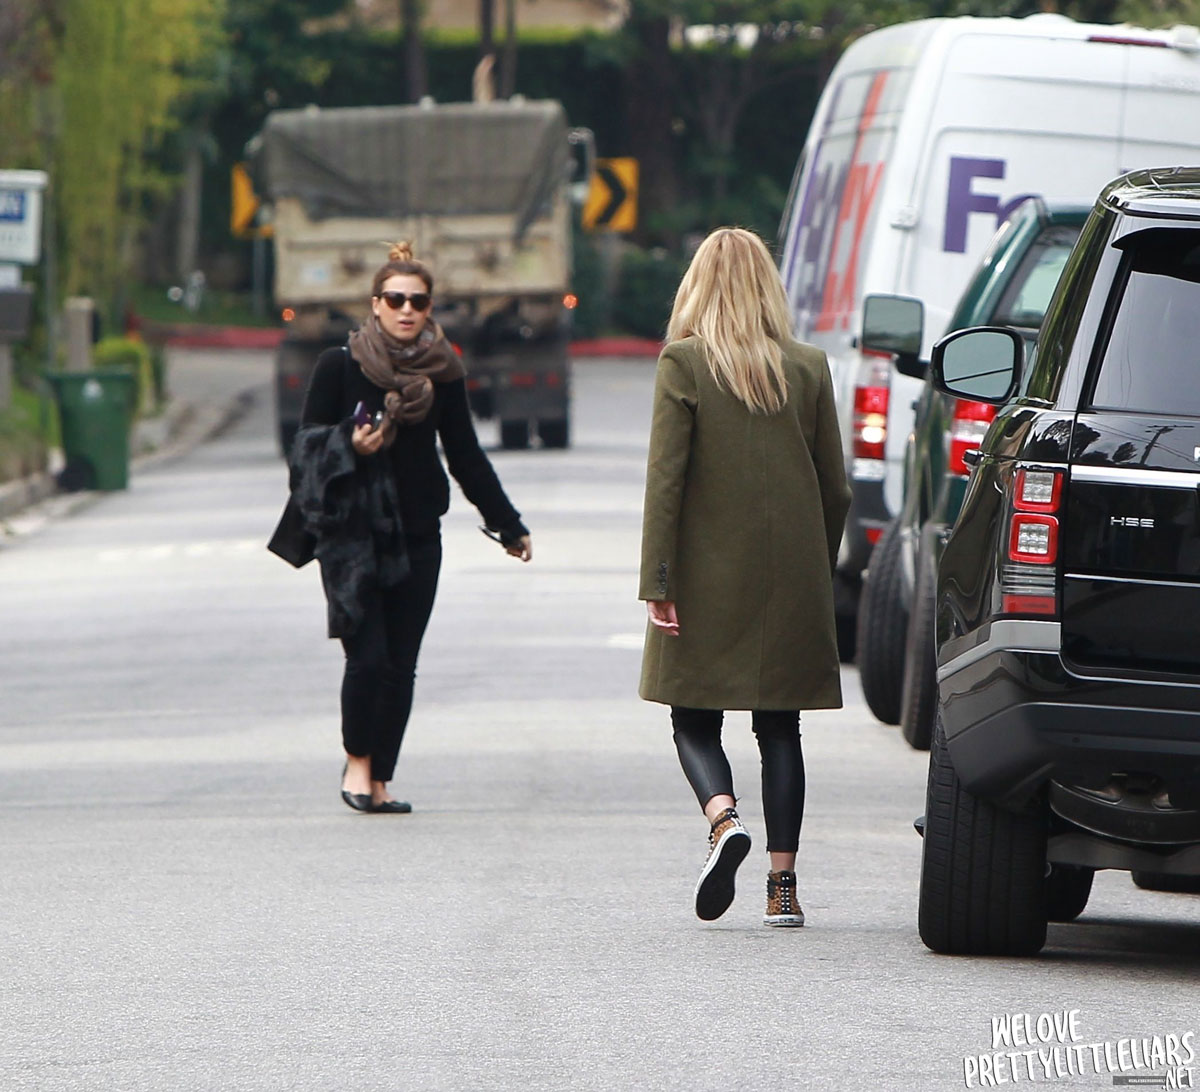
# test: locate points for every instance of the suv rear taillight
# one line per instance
(1028, 577)
(968, 426)
(869, 427)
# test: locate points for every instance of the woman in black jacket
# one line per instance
(368, 481)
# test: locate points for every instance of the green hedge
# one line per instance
(645, 290)
(147, 367)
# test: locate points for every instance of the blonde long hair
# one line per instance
(732, 299)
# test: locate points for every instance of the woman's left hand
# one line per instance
(522, 549)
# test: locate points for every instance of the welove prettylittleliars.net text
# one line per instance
(1051, 1046)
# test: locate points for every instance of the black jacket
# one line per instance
(338, 385)
(421, 488)
(349, 517)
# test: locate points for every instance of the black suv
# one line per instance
(1067, 735)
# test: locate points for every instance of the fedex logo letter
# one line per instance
(962, 200)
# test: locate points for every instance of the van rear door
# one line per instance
(1157, 127)
(1131, 554)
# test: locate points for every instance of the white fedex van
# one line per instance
(926, 137)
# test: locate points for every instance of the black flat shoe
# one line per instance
(359, 801)
(391, 807)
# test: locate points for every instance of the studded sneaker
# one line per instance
(782, 907)
(729, 842)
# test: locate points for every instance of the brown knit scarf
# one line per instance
(406, 370)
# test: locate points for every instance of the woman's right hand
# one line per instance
(366, 440)
(662, 614)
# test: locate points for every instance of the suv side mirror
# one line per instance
(982, 363)
(895, 324)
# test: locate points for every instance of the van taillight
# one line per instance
(968, 426)
(1027, 578)
(869, 427)
(1118, 39)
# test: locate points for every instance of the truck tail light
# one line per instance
(869, 426)
(1028, 578)
(968, 426)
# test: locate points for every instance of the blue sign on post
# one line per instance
(12, 206)
(21, 216)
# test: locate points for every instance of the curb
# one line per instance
(221, 337)
(18, 495)
(180, 428)
(616, 346)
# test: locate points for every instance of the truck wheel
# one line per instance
(983, 869)
(481, 403)
(882, 624)
(1068, 888)
(918, 700)
(554, 432)
(1163, 881)
(514, 435)
(846, 593)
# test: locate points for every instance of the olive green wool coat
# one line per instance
(741, 525)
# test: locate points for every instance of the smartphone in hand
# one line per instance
(362, 415)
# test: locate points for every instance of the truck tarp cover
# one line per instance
(379, 161)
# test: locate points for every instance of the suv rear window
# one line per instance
(1151, 363)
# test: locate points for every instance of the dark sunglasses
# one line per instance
(396, 300)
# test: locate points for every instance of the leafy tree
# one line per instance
(88, 90)
(29, 30)
(1159, 13)
(693, 71)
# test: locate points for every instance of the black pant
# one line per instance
(698, 741)
(381, 661)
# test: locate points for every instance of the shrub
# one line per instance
(132, 353)
(645, 290)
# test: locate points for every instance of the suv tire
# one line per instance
(983, 869)
(846, 595)
(918, 701)
(1068, 888)
(882, 623)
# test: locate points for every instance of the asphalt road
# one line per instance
(188, 905)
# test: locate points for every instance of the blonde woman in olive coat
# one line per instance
(746, 495)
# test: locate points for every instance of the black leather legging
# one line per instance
(698, 741)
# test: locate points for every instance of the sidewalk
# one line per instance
(208, 391)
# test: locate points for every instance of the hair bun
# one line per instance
(400, 252)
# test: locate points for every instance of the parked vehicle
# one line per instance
(927, 137)
(485, 203)
(1067, 735)
(1011, 287)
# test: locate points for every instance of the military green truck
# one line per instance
(481, 190)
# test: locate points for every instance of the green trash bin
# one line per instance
(96, 410)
